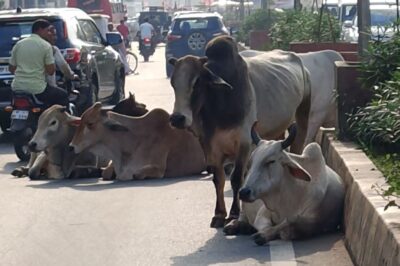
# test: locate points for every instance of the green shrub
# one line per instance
(260, 20)
(380, 61)
(302, 26)
(378, 124)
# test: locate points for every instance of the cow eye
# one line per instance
(90, 125)
(269, 162)
(53, 123)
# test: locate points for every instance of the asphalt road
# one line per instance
(150, 222)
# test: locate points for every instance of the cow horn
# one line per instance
(254, 135)
(289, 140)
(63, 109)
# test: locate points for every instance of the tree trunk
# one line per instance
(364, 25)
(297, 4)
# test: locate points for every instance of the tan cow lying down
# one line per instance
(139, 147)
(300, 195)
(52, 157)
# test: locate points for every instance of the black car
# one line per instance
(90, 56)
(190, 33)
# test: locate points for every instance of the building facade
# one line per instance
(36, 3)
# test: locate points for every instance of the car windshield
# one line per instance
(196, 24)
(383, 17)
(11, 32)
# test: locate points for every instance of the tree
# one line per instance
(1, 4)
(364, 25)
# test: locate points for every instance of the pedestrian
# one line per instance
(121, 49)
(124, 30)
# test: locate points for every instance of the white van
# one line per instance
(382, 18)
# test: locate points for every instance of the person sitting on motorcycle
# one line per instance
(60, 62)
(31, 59)
(146, 30)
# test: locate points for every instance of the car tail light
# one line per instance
(146, 40)
(172, 37)
(65, 31)
(21, 103)
(72, 55)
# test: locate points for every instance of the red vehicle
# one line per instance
(113, 8)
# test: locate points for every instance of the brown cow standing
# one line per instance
(220, 97)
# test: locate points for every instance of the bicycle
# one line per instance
(131, 57)
(132, 60)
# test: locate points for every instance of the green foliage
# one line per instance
(377, 125)
(2, 4)
(260, 20)
(302, 26)
(379, 122)
(389, 165)
(380, 62)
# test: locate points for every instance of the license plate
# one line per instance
(147, 44)
(4, 70)
(20, 115)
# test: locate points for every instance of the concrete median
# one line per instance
(372, 235)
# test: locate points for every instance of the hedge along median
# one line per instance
(372, 235)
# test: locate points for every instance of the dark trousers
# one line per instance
(53, 95)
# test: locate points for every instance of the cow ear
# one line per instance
(296, 170)
(74, 121)
(203, 60)
(215, 79)
(115, 126)
(172, 61)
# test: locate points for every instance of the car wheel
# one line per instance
(196, 41)
(119, 92)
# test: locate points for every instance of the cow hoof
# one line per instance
(217, 222)
(232, 228)
(19, 172)
(259, 239)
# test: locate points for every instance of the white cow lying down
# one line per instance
(286, 195)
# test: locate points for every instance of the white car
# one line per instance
(382, 19)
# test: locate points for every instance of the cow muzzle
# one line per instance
(73, 149)
(245, 194)
(32, 146)
(177, 120)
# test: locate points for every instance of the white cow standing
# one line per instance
(321, 68)
(288, 196)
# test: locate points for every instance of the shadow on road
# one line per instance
(10, 166)
(224, 249)
(95, 184)
(5, 138)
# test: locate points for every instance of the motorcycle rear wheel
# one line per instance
(21, 140)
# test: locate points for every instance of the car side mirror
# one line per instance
(113, 38)
(348, 24)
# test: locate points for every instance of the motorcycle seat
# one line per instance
(32, 97)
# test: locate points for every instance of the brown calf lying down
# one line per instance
(139, 147)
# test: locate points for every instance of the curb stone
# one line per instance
(372, 236)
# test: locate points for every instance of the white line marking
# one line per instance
(282, 253)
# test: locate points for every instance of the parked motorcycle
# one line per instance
(146, 48)
(25, 111)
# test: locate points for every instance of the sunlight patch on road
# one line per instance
(282, 253)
